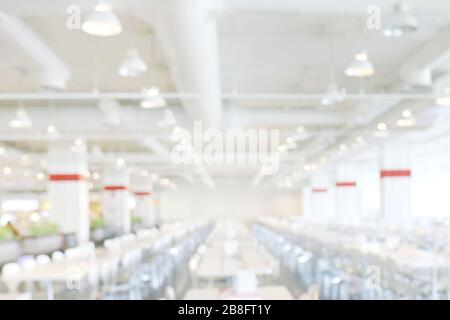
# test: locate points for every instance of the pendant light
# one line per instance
(402, 21)
(21, 119)
(360, 66)
(132, 65)
(442, 89)
(102, 22)
(334, 94)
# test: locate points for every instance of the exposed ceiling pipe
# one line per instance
(55, 73)
(298, 6)
(187, 33)
(92, 96)
(239, 117)
(417, 69)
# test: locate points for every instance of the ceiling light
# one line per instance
(102, 22)
(52, 132)
(153, 91)
(307, 167)
(40, 176)
(359, 139)
(154, 177)
(406, 113)
(300, 129)
(323, 159)
(381, 126)
(2, 150)
(443, 101)
(7, 170)
(153, 103)
(402, 21)
(406, 122)
(333, 95)
(120, 162)
(51, 129)
(96, 176)
(360, 66)
(132, 65)
(164, 182)
(343, 147)
(78, 142)
(145, 173)
(21, 120)
(168, 120)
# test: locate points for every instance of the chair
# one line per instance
(43, 259)
(170, 294)
(72, 253)
(27, 262)
(58, 256)
(9, 271)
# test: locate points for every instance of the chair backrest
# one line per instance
(27, 262)
(43, 259)
(9, 270)
(58, 256)
(170, 294)
(72, 253)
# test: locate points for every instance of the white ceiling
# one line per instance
(259, 47)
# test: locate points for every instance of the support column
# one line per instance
(67, 188)
(395, 175)
(348, 204)
(322, 198)
(116, 197)
(158, 199)
(142, 190)
(306, 203)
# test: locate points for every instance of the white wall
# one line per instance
(237, 202)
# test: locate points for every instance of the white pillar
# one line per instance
(348, 203)
(116, 197)
(158, 202)
(306, 202)
(68, 189)
(395, 178)
(142, 191)
(322, 198)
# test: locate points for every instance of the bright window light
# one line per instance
(20, 205)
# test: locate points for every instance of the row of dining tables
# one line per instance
(72, 270)
(430, 264)
(231, 255)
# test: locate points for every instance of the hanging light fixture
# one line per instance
(444, 98)
(334, 94)
(441, 87)
(360, 66)
(133, 65)
(168, 120)
(21, 119)
(102, 22)
(402, 21)
(153, 100)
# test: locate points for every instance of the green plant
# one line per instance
(97, 223)
(39, 229)
(6, 234)
(136, 220)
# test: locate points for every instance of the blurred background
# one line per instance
(98, 97)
